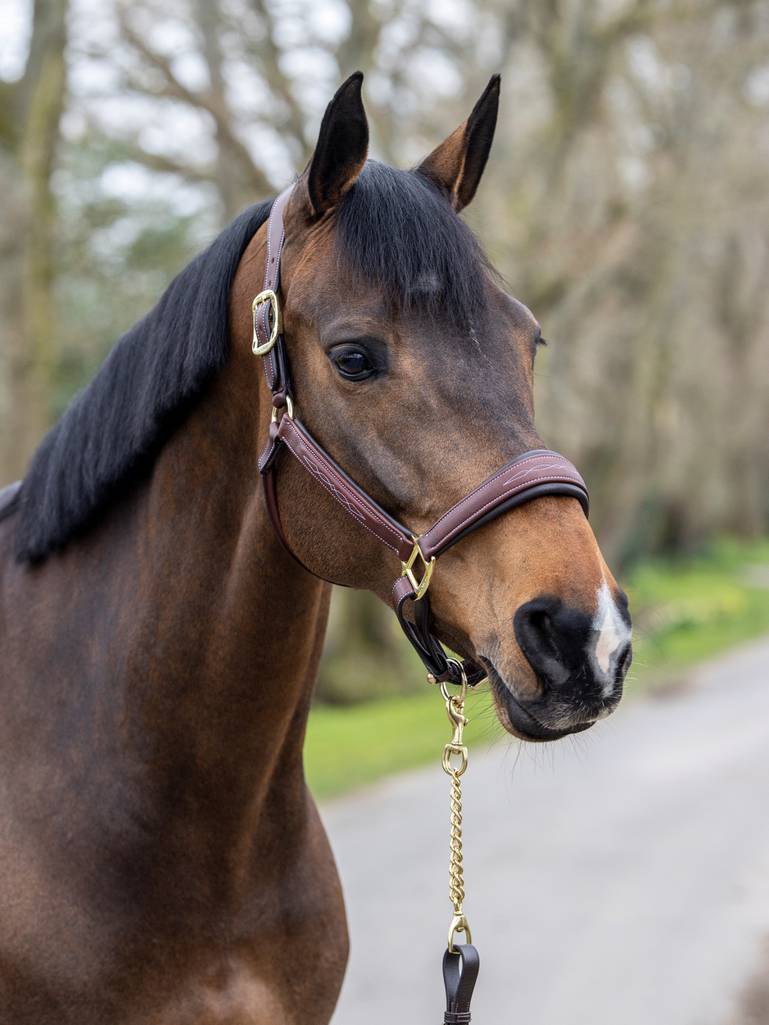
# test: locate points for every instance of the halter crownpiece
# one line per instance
(532, 475)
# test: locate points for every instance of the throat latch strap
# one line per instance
(532, 475)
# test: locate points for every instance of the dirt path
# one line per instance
(617, 879)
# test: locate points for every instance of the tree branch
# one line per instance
(200, 100)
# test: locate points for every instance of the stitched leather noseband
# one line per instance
(534, 474)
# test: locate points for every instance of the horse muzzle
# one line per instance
(572, 672)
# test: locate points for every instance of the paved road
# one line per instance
(617, 879)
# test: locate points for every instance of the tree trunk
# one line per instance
(32, 324)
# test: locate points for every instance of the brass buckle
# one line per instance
(407, 570)
(267, 296)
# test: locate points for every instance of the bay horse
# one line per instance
(162, 861)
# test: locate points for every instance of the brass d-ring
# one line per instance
(457, 752)
(462, 684)
(289, 408)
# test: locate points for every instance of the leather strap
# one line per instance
(460, 972)
(518, 481)
(353, 499)
(276, 237)
(529, 476)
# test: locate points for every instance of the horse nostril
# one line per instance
(566, 649)
(623, 663)
(546, 632)
(541, 628)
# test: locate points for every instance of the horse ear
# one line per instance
(340, 152)
(457, 164)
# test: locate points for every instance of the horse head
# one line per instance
(414, 369)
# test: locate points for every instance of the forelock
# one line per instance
(398, 233)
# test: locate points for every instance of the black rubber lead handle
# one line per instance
(460, 971)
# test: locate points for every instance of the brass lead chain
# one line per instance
(454, 763)
(456, 875)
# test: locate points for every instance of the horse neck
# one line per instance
(227, 629)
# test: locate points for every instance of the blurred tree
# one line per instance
(619, 201)
(365, 655)
(261, 103)
(29, 138)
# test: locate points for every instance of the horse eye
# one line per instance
(352, 363)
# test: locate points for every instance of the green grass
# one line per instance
(347, 747)
(688, 610)
(684, 612)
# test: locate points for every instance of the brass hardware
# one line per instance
(456, 749)
(407, 570)
(289, 407)
(463, 685)
(459, 924)
(267, 296)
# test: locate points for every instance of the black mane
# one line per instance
(395, 230)
(112, 430)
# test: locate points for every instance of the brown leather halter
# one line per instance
(531, 475)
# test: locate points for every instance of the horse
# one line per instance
(162, 861)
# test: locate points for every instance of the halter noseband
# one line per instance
(534, 474)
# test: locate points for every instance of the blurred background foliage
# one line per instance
(626, 202)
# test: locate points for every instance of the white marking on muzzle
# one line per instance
(611, 633)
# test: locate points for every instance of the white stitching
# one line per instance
(498, 499)
(484, 484)
(553, 463)
(329, 484)
(395, 596)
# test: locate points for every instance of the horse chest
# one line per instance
(181, 948)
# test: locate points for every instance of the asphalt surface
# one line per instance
(618, 878)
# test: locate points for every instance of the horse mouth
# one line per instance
(520, 721)
(515, 718)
